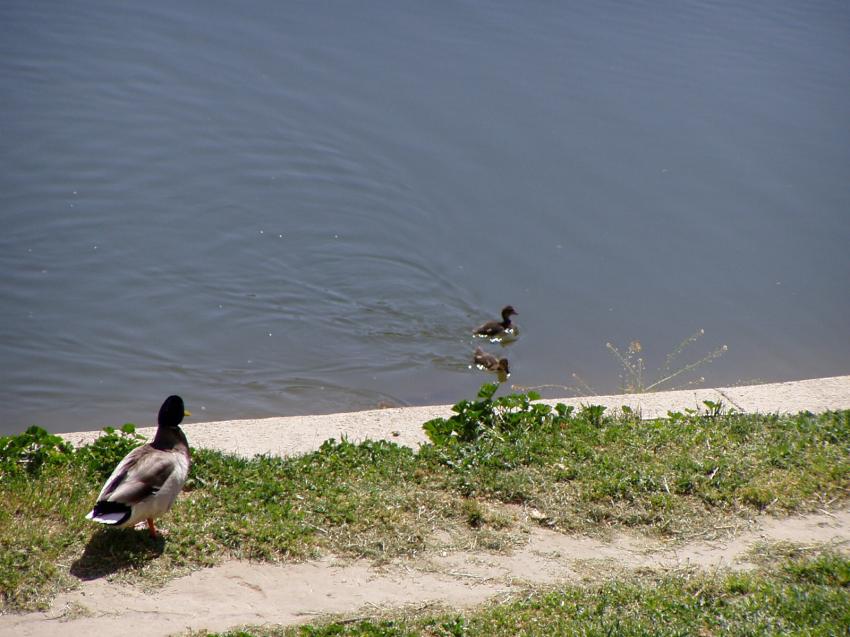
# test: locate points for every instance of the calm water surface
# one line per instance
(304, 207)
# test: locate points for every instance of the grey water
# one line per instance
(278, 208)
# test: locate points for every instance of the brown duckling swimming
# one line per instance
(491, 363)
(497, 328)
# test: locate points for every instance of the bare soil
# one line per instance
(238, 593)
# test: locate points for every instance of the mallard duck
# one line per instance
(489, 362)
(145, 483)
(497, 328)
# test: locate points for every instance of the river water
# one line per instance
(279, 208)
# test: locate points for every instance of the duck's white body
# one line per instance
(146, 482)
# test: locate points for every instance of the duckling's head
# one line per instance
(503, 366)
(508, 311)
(172, 411)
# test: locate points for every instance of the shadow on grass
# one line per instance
(113, 550)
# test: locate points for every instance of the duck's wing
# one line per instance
(489, 328)
(485, 359)
(139, 475)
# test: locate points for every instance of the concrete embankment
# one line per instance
(301, 434)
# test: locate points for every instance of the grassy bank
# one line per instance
(799, 595)
(581, 472)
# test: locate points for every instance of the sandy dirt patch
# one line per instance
(238, 593)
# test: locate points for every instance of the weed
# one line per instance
(632, 378)
(30, 451)
(511, 415)
(633, 375)
(103, 455)
(474, 513)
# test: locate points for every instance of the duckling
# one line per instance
(146, 482)
(496, 328)
(490, 362)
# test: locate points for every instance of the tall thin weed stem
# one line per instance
(634, 367)
(633, 379)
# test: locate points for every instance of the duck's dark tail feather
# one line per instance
(107, 512)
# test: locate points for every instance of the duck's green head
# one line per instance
(172, 411)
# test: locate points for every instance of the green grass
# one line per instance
(799, 596)
(584, 472)
(673, 476)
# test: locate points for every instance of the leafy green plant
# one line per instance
(103, 455)
(470, 419)
(30, 451)
(713, 408)
(492, 417)
(592, 414)
(36, 448)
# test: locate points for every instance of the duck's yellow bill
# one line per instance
(186, 412)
